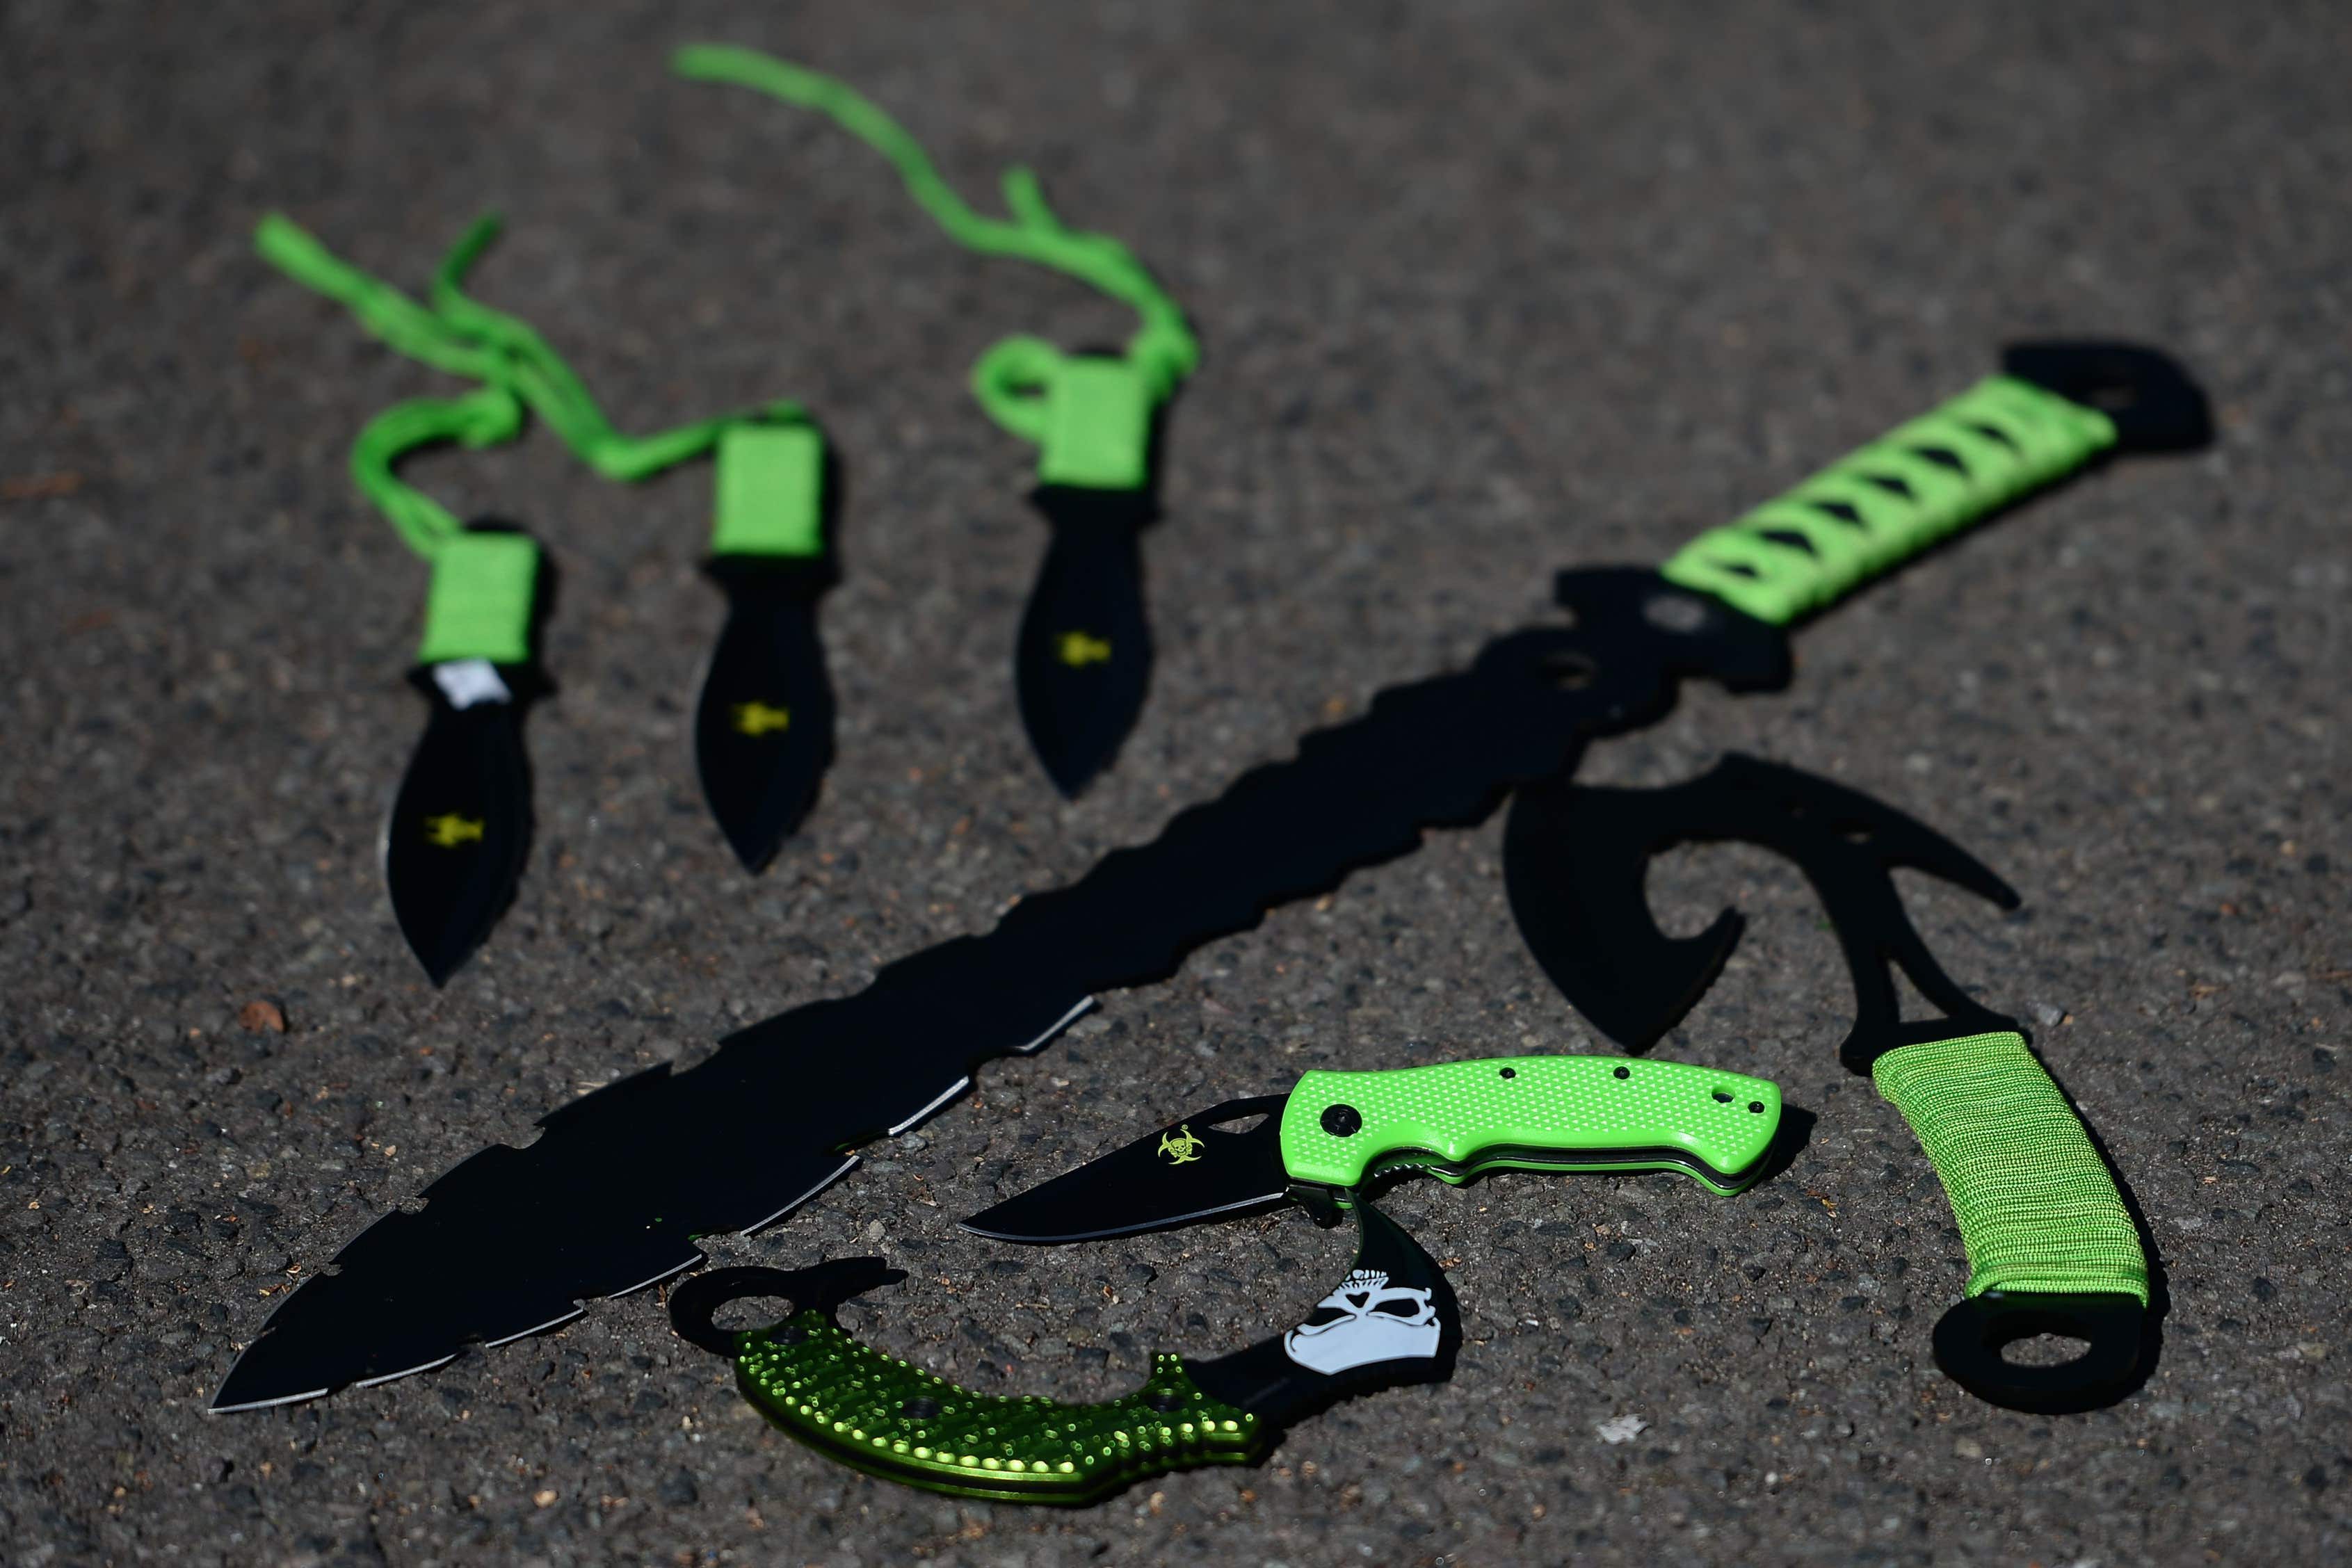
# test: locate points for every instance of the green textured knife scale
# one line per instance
(1457, 1119)
(893, 1419)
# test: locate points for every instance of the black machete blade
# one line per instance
(763, 728)
(1196, 1169)
(459, 828)
(1083, 661)
(610, 1195)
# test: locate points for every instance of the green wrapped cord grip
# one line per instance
(480, 604)
(1905, 492)
(770, 492)
(890, 1419)
(2037, 1208)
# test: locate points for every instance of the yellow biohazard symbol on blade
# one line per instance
(759, 718)
(1181, 1147)
(449, 829)
(1080, 649)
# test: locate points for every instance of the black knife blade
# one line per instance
(602, 1202)
(1083, 665)
(1229, 1168)
(763, 726)
(455, 844)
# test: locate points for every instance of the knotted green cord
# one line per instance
(1015, 380)
(539, 375)
(479, 605)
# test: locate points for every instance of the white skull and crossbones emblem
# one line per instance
(1364, 1321)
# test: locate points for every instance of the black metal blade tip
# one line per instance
(1190, 1170)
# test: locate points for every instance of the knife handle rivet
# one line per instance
(1624, 1073)
(1342, 1121)
(1757, 1106)
(1510, 1072)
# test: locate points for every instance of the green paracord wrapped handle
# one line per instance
(893, 1419)
(2037, 1208)
(2056, 407)
(2051, 1247)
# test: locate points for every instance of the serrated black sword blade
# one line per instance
(1200, 1167)
(1083, 665)
(588, 1209)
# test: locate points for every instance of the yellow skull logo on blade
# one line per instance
(759, 718)
(449, 829)
(1181, 1147)
(1080, 649)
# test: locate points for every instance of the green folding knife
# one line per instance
(1335, 1133)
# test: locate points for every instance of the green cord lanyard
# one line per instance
(1090, 416)
(771, 458)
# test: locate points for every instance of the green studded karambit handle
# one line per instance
(2037, 1208)
(1530, 1113)
(1878, 506)
(897, 1421)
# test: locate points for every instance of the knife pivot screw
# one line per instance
(922, 1408)
(1757, 1106)
(1342, 1121)
(791, 1334)
(1166, 1404)
(1510, 1072)
(1624, 1073)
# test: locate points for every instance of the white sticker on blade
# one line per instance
(1366, 1319)
(465, 682)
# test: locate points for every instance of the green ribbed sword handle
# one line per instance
(2056, 408)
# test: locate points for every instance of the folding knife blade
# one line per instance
(1205, 1167)
(1084, 661)
(460, 827)
(763, 727)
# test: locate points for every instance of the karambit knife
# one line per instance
(459, 830)
(763, 727)
(2051, 1248)
(1335, 1133)
(612, 1194)
(1394, 1321)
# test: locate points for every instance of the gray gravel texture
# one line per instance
(1486, 288)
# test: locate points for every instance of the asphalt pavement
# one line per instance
(1484, 289)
